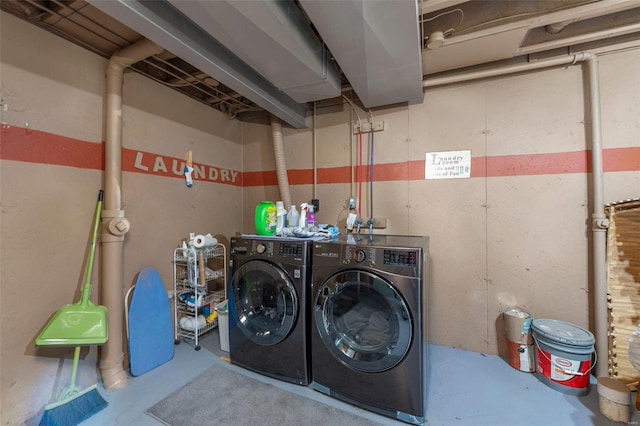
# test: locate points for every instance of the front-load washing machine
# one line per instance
(368, 333)
(268, 307)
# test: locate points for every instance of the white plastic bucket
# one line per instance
(563, 355)
(223, 324)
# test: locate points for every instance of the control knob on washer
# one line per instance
(261, 248)
(361, 256)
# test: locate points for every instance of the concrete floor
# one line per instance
(465, 388)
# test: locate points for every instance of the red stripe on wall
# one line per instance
(621, 160)
(416, 169)
(259, 178)
(32, 146)
(300, 177)
(537, 164)
(334, 175)
(19, 144)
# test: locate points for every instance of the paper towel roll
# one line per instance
(199, 241)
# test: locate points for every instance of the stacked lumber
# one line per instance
(623, 287)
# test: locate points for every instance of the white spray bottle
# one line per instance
(302, 223)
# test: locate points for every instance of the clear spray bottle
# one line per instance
(292, 217)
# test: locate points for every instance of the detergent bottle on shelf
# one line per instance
(281, 217)
(265, 218)
(293, 217)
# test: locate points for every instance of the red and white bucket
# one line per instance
(563, 355)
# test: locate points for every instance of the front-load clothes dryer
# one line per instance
(268, 307)
(368, 333)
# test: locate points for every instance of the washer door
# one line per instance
(266, 303)
(363, 320)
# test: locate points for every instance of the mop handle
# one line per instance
(86, 286)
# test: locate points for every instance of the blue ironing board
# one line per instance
(150, 339)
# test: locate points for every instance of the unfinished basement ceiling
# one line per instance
(252, 59)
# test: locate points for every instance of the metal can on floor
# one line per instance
(517, 324)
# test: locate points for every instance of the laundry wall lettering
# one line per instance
(144, 162)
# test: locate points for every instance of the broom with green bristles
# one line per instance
(79, 324)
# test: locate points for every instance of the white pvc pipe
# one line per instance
(510, 69)
(599, 225)
(579, 39)
(599, 221)
(114, 224)
(281, 167)
(315, 153)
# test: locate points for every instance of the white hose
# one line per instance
(281, 167)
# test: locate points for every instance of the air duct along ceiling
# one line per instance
(275, 39)
(376, 43)
(268, 51)
(165, 25)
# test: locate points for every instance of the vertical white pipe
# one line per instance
(599, 225)
(315, 152)
(114, 224)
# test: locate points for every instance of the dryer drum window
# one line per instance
(266, 302)
(363, 320)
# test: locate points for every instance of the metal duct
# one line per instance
(376, 43)
(165, 25)
(274, 38)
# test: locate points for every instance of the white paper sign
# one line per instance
(447, 165)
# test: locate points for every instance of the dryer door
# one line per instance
(266, 303)
(363, 320)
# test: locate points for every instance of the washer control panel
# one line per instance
(262, 247)
(359, 255)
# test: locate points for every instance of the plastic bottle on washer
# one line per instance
(281, 215)
(303, 215)
(311, 217)
(292, 217)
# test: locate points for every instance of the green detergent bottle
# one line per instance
(265, 218)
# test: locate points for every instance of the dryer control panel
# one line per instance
(294, 250)
(400, 257)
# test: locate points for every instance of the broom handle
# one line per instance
(74, 366)
(86, 286)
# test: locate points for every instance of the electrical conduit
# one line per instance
(281, 167)
(599, 221)
(114, 223)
